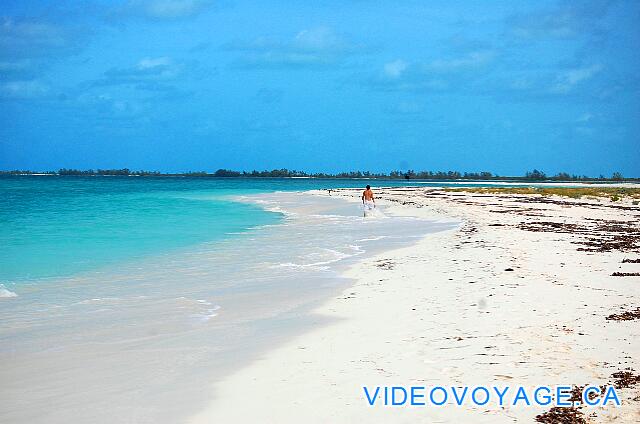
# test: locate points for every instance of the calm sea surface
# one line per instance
(55, 226)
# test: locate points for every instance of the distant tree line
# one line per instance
(121, 172)
(534, 175)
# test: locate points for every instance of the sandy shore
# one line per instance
(523, 293)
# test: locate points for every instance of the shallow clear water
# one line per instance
(54, 226)
(206, 275)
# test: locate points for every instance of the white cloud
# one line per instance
(105, 105)
(437, 75)
(31, 38)
(471, 60)
(322, 39)
(313, 47)
(165, 9)
(314, 39)
(41, 33)
(23, 89)
(571, 19)
(148, 70)
(558, 24)
(174, 8)
(150, 63)
(567, 80)
(395, 69)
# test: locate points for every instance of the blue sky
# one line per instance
(175, 85)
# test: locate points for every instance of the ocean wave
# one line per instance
(332, 216)
(204, 309)
(6, 293)
(357, 248)
(320, 265)
(373, 238)
(317, 265)
(207, 314)
(271, 206)
(95, 300)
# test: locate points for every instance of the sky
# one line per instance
(321, 86)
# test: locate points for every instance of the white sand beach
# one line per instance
(519, 294)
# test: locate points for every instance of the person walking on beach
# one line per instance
(368, 200)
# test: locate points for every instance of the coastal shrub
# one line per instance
(613, 193)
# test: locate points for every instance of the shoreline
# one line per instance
(493, 302)
(156, 331)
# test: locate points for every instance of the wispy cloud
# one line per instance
(106, 106)
(567, 80)
(162, 9)
(314, 47)
(148, 70)
(405, 76)
(569, 19)
(24, 90)
(395, 69)
(471, 60)
(33, 38)
(27, 49)
(450, 73)
(157, 63)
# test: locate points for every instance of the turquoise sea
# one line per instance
(54, 226)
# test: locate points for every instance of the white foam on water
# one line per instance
(372, 238)
(357, 248)
(6, 293)
(320, 266)
(207, 314)
(269, 206)
(332, 256)
(95, 300)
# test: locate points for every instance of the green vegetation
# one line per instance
(112, 172)
(529, 176)
(614, 193)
